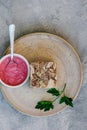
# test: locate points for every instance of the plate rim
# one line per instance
(79, 61)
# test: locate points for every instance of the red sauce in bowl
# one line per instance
(13, 73)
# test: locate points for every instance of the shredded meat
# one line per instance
(43, 74)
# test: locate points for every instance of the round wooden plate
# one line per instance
(45, 47)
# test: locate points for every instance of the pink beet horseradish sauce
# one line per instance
(13, 73)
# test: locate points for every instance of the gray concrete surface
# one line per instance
(66, 18)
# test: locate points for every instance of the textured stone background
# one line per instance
(66, 18)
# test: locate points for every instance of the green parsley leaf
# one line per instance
(54, 92)
(66, 100)
(44, 105)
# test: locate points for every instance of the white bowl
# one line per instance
(27, 63)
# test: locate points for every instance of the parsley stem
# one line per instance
(60, 93)
(63, 89)
(55, 99)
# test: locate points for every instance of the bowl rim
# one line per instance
(28, 67)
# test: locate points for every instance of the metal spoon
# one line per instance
(11, 34)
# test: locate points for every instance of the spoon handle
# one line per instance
(11, 34)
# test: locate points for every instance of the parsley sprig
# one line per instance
(46, 105)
